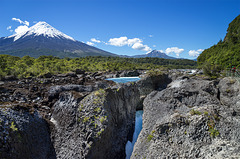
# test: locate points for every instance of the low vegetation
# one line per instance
(29, 67)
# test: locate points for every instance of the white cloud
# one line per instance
(95, 40)
(154, 46)
(195, 53)
(140, 46)
(20, 21)
(118, 41)
(122, 41)
(161, 51)
(175, 50)
(135, 43)
(150, 36)
(90, 43)
(21, 29)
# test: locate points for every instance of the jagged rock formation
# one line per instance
(191, 119)
(149, 83)
(188, 118)
(93, 120)
(97, 126)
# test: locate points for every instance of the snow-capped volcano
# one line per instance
(41, 28)
(43, 39)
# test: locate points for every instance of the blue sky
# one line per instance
(179, 28)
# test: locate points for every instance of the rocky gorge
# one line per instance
(82, 115)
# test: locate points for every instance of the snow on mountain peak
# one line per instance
(41, 28)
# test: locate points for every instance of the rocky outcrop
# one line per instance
(189, 119)
(72, 119)
(148, 83)
(230, 93)
(24, 134)
(96, 126)
(129, 74)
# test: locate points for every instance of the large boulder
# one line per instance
(24, 134)
(149, 83)
(129, 74)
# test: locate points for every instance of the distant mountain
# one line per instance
(154, 53)
(225, 53)
(43, 39)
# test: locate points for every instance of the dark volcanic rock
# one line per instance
(97, 126)
(24, 135)
(148, 83)
(129, 74)
(78, 71)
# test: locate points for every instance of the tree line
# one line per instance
(31, 67)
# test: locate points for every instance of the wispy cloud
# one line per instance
(20, 21)
(175, 50)
(134, 43)
(95, 40)
(150, 36)
(10, 28)
(195, 53)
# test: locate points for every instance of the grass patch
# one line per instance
(195, 112)
(150, 136)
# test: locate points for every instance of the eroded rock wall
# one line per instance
(189, 120)
(97, 126)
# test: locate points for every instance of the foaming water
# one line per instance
(124, 79)
(137, 130)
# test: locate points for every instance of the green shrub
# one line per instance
(211, 70)
(213, 132)
(13, 126)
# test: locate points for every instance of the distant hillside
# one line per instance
(43, 39)
(154, 53)
(227, 52)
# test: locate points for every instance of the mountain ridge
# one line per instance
(42, 38)
(154, 53)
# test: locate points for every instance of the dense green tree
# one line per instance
(225, 53)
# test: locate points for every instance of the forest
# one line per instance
(32, 67)
(226, 53)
